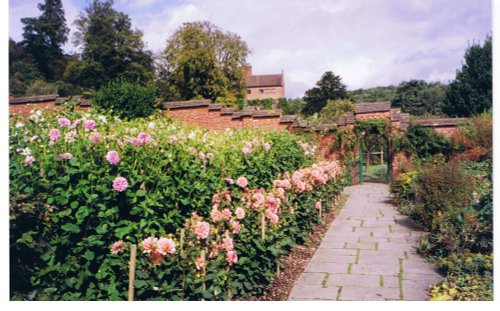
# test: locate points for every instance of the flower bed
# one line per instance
(210, 213)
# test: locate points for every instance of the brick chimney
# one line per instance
(248, 70)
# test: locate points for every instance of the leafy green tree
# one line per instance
(110, 48)
(374, 94)
(44, 37)
(22, 69)
(335, 108)
(291, 106)
(418, 97)
(471, 91)
(330, 86)
(201, 60)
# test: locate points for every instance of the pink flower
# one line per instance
(272, 217)
(28, 160)
(113, 157)
(242, 182)
(144, 138)
(226, 213)
(89, 124)
(120, 184)
(227, 244)
(272, 202)
(166, 246)
(255, 142)
(235, 226)
(64, 122)
(246, 150)
(202, 155)
(215, 215)
(95, 137)
(118, 247)
(240, 213)
(210, 155)
(199, 262)
(76, 123)
(135, 141)
(155, 258)
(230, 181)
(54, 134)
(266, 146)
(150, 245)
(171, 139)
(202, 229)
(66, 155)
(318, 205)
(231, 257)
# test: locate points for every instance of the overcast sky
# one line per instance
(367, 42)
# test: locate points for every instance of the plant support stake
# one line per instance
(131, 273)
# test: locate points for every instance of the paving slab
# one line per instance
(368, 253)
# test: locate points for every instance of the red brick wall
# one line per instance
(373, 115)
(24, 109)
(447, 131)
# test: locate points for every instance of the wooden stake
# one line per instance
(263, 226)
(131, 273)
(182, 243)
(320, 209)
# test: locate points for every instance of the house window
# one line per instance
(249, 91)
(267, 91)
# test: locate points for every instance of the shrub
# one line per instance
(422, 142)
(126, 100)
(83, 187)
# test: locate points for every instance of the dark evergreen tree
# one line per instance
(330, 86)
(418, 97)
(471, 91)
(44, 37)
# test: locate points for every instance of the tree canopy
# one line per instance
(202, 61)
(110, 48)
(330, 86)
(44, 37)
(471, 91)
(418, 97)
(334, 109)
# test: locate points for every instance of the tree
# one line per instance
(335, 108)
(110, 48)
(202, 61)
(328, 87)
(374, 94)
(22, 69)
(291, 106)
(418, 97)
(44, 37)
(471, 91)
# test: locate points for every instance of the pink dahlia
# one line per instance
(215, 215)
(54, 134)
(66, 155)
(95, 137)
(199, 262)
(166, 246)
(235, 226)
(230, 181)
(64, 122)
(202, 229)
(118, 247)
(231, 257)
(242, 182)
(28, 160)
(113, 157)
(120, 184)
(246, 150)
(89, 124)
(210, 155)
(150, 245)
(272, 217)
(144, 138)
(227, 244)
(240, 213)
(318, 205)
(266, 146)
(226, 213)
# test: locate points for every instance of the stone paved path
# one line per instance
(367, 254)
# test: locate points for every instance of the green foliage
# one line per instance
(375, 94)
(418, 97)
(202, 60)
(110, 48)
(471, 91)
(266, 103)
(474, 140)
(334, 109)
(469, 277)
(126, 100)
(64, 213)
(422, 142)
(44, 37)
(329, 87)
(22, 69)
(40, 87)
(291, 106)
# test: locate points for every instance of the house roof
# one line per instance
(264, 80)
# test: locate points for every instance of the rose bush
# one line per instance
(211, 213)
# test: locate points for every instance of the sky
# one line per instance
(367, 43)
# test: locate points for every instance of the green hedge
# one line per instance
(67, 207)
